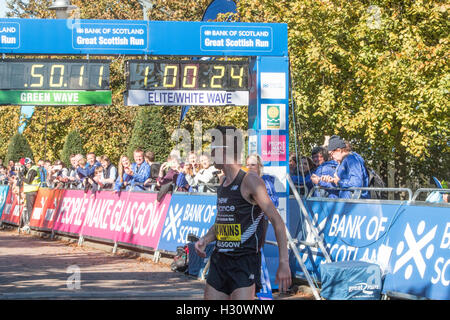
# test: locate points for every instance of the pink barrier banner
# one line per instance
(133, 217)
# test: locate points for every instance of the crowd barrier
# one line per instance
(410, 240)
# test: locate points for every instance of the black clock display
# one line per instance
(187, 75)
(42, 74)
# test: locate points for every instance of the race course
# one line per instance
(33, 267)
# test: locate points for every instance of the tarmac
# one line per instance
(33, 266)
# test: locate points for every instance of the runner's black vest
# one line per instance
(239, 224)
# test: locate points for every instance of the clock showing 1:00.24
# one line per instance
(187, 75)
(63, 74)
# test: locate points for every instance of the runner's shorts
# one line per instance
(228, 273)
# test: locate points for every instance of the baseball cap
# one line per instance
(27, 161)
(335, 143)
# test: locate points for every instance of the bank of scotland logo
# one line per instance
(173, 222)
(413, 254)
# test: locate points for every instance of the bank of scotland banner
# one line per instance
(410, 242)
(187, 214)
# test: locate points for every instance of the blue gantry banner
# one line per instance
(138, 37)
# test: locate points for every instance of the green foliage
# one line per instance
(375, 73)
(149, 134)
(18, 148)
(72, 145)
(9, 122)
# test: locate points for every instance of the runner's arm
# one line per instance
(258, 192)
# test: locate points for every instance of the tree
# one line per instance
(149, 134)
(72, 145)
(18, 148)
(9, 120)
(375, 73)
(107, 129)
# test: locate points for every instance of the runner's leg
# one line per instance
(213, 294)
(245, 293)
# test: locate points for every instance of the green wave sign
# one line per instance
(55, 97)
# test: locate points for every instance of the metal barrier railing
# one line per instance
(421, 190)
(358, 194)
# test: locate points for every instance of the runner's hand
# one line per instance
(200, 246)
(283, 277)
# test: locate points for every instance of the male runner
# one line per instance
(242, 200)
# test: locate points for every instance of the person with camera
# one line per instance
(59, 175)
(205, 177)
(169, 171)
(31, 184)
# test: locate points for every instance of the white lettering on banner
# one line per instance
(351, 229)
(116, 213)
(8, 208)
(344, 251)
(38, 211)
(445, 243)
(186, 97)
(193, 213)
(377, 229)
(7, 30)
(140, 214)
(16, 212)
(209, 213)
(441, 272)
(7, 40)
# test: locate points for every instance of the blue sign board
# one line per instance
(187, 214)
(410, 242)
(3, 196)
(138, 37)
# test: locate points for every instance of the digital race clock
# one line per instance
(54, 82)
(187, 75)
(33, 74)
(187, 82)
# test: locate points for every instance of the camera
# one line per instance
(19, 168)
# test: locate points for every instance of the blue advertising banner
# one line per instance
(187, 214)
(3, 195)
(410, 242)
(138, 37)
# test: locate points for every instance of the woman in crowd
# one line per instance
(191, 168)
(124, 177)
(254, 163)
(305, 170)
(205, 177)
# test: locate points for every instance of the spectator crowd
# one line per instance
(333, 168)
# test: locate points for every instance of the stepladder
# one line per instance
(311, 244)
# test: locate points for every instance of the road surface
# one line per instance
(32, 267)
